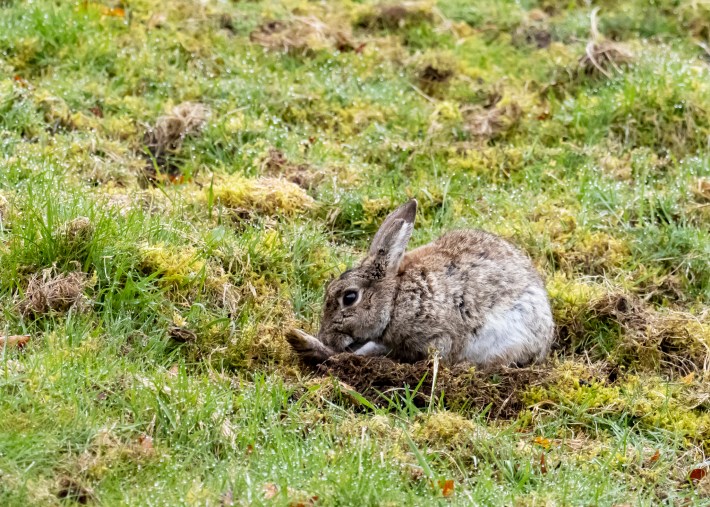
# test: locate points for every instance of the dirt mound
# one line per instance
(461, 387)
(395, 16)
(677, 342)
(302, 35)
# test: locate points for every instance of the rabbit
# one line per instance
(470, 295)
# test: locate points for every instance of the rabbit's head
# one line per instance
(358, 304)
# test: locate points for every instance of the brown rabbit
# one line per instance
(470, 295)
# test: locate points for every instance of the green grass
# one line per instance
(605, 181)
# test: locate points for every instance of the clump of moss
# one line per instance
(590, 253)
(174, 267)
(395, 16)
(56, 112)
(269, 196)
(302, 35)
(445, 429)
(377, 425)
(490, 161)
(586, 391)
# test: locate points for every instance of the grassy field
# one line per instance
(180, 179)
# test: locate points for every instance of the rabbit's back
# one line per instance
(474, 297)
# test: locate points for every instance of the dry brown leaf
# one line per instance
(14, 340)
(543, 464)
(270, 490)
(116, 12)
(446, 487)
(146, 443)
(697, 474)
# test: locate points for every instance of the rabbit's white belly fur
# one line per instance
(519, 333)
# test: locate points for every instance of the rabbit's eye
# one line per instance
(349, 297)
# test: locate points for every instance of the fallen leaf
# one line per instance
(655, 456)
(116, 12)
(15, 340)
(270, 490)
(146, 443)
(446, 487)
(542, 442)
(21, 81)
(697, 474)
(543, 464)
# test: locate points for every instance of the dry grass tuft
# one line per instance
(700, 189)
(603, 57)
(276, 164)
(4, 207)
(77, 231)
(533, 31)
(269, 196)
(302, 35)
(492, 122)
(170, 130)
(52, 291)
(678, 342)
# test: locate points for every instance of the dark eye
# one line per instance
(349, 297)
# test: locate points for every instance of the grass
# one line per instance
(198, 234)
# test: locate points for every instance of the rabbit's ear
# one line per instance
(390, 242)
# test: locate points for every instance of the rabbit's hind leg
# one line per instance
(520, 334)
